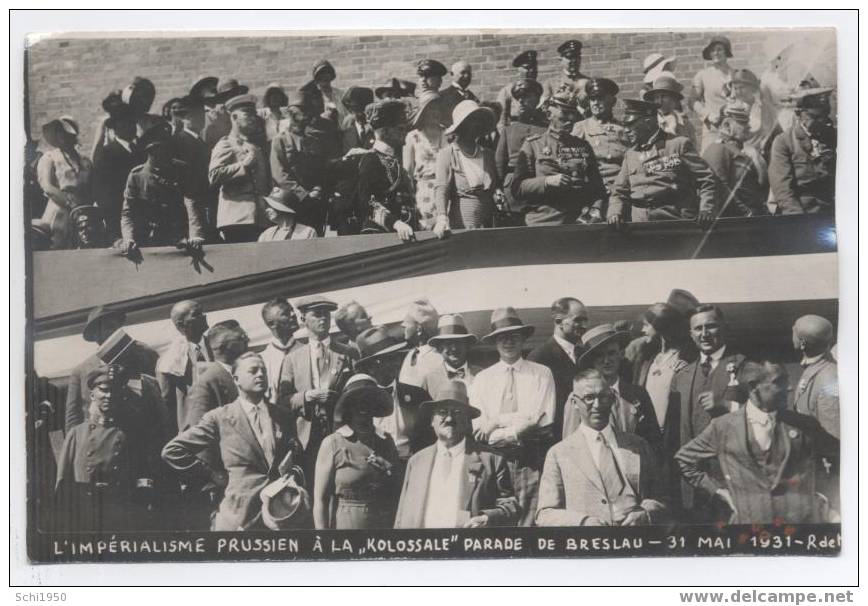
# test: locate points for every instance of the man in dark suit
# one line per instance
(560, 353)
(192, 150)
(599, 475)
(381, 356)
(312, 376)
(215, 386)
(767, 455)
(101, 324)
(453, 343)
(699, 394)
(253, 437)
(177, 368)
(452, 483)
(457, 91)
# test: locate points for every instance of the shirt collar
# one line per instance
(716, 356)
(591, 434)
(519, 364)
(565, 345)
(806, 361)
(383, 148)
(280, 346)
(455, 451)
(755, 415)
(616, 386)
(326, 342)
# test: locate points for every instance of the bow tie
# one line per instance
(453, 374)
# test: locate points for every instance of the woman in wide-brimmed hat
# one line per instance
(708, 85)
(274, 99)
(466, 173)
(423, 143)
(64, 175)
(666, 92)
(357, 484)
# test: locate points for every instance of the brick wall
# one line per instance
(72, 75)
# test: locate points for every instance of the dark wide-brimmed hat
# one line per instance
(526, 58)
(597, 337)
(376, 342)
(142, 87)
(599, 87)
(428, 102)
(204, 88)
(229, 89)
(51, 130)
(114, 347)
(286, 504)
(451, 327)
(683, 300)
(159, 134)
(722, 40)
(363, 388)
(391, 86)
(664, 83)
(505, 319)
(313, 302)
(452, 394)
(97, 315)
(430, 67)
(115, 107)
(526, 86)
(298, 98)
(358, 97)
(386, 113)
(282, 200)
(467, 108)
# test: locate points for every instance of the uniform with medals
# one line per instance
(568, 82)
(606, 135)
(515, 134)
(527, 68)
(661, 178)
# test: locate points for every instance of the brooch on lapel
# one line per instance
(793, 433)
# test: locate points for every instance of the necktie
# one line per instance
(260, 418)
(509, 403)
(617, 413)
(445, 466)
(197, 353)
(613, 483)
(321, 364)
(706, 366)
(455, 374)
(414, 357)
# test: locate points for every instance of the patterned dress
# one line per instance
(420, 161)
(72, 175)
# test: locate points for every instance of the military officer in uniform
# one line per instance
(526, 64)
(606, 135)
(109, 465)
(529, 120)
(430, 72)
(571, 78)
(557, 180)
(803, 158)
(155, 211)
(661, 175)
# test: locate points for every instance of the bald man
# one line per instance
(457, 92)
(817, 392)
(176, 367)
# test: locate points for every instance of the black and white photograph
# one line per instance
(307, 295)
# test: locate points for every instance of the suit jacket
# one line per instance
(245, 470)
(552, 355)
(638, 415)
(789, 494)
(817, 394)
(174, 386)
(296, 377)
(486, 488)
(350, 135)
(571, 491)
(437, 378)
(450, 96)
(214, 388)
(692, 418)
(802, 177)
(78, 393)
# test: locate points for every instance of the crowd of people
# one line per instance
(381, 426)
(221, 165)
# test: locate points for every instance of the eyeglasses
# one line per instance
(448, 412)
(590, 399)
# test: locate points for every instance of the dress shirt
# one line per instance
(178, 355)
(314, 358)
(659, 381)
(569, 348)
(261, 426)
(535, 393)
(394, 424)
(468, 376)
(761, 424)
(806, 361)
(273, 356)
(592, 439)
(444, 487)
(427, 359)
(714, 358)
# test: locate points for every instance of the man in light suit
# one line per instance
(311, 377)
(768, 455)
(253, 437)
(632, 410)
(699, 394)
(560, 352)
(452, 483)
(215, 386)
(453, 343)
(177, 367)
(599, 476)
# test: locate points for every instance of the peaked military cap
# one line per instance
(240, 101)
(598, 87)
(430, 67)
(564, 98)
(570, 48)
(524, 86)
(636, 108)
(158, 134)
(525, 59)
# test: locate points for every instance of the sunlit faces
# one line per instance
(250, 375)
(707, 331)
(593, 399)
(318, 320)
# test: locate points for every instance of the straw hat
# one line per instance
(505, 319)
